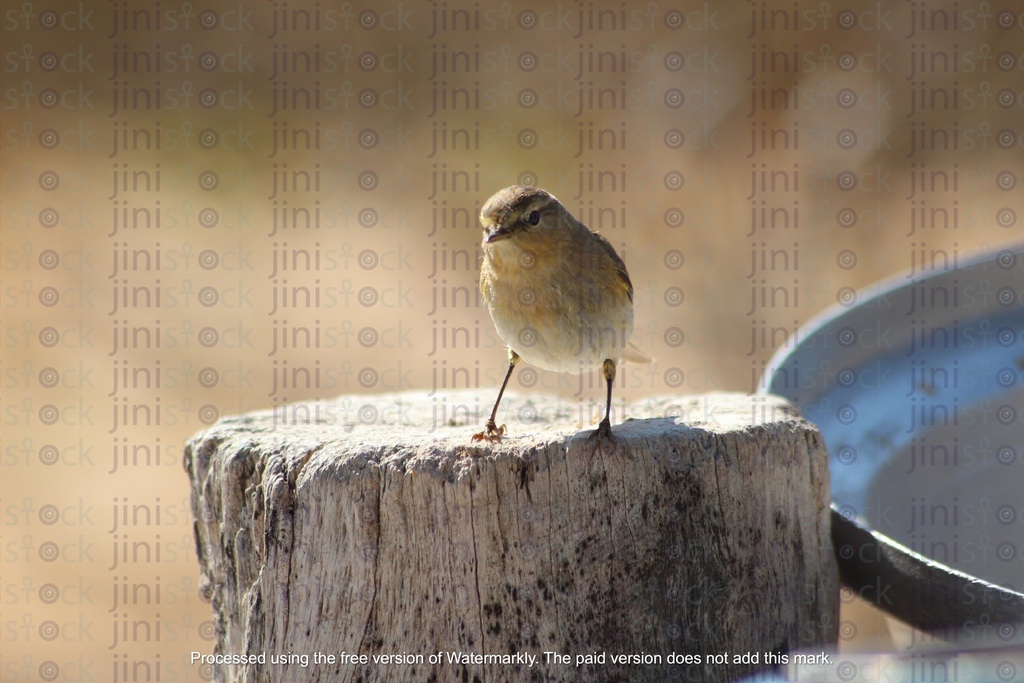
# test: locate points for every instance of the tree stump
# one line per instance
(368, 539)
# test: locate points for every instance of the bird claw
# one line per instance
(602, 433)
(492, 433)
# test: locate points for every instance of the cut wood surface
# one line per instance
(372, 530)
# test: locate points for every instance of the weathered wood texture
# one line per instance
(366, 529)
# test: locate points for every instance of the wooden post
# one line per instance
(371, 530)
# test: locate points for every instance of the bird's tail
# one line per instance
(631, 354)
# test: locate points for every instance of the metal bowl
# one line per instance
(918, 388)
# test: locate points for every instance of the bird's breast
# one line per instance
(557, 318)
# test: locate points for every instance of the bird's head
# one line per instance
(525, 215)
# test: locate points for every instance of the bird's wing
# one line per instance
(620, 267)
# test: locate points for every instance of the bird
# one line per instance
(559, 295)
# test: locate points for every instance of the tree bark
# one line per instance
(369, 526)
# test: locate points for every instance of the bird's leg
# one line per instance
(604, 430)
(492, 432)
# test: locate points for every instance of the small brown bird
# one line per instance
(559, 295)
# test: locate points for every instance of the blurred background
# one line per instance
(210, 208)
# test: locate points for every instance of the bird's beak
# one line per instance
(496, 233)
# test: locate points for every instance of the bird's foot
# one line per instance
(602, 433)
(492, 432)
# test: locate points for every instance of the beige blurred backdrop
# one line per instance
(210, 208)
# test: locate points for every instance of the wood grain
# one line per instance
(367, 526)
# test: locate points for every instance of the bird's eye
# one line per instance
(533, 218)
